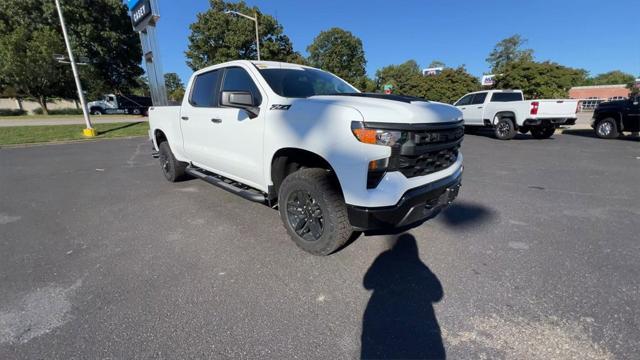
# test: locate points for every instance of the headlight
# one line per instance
(375, 136)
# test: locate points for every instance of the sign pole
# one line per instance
(89, 131)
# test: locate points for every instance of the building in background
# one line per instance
(591, 96)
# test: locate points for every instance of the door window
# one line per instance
(203, 93)
(237, 79)
(466, 100)
(479, 98)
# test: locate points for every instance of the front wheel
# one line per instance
(313, 211)
(542, 132)
(607, 129)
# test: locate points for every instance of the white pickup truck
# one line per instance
(507, 112)
(335, 161)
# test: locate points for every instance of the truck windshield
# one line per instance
(506, 96)
(304, 82)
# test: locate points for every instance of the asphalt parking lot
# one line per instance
(539, 258)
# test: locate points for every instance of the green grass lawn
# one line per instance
(13, 135)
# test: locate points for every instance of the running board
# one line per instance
(227, 184)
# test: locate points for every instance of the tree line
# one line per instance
(102, 34)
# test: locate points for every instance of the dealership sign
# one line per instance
(140, 13)
(488, 80)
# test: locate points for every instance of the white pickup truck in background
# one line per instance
(334, 160)
(507, 113)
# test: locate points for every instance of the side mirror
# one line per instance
(240, 100)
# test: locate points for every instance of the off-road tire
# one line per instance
(323, 188)
(172, 169)
(505, 129)
(542, 132)
(607, 129)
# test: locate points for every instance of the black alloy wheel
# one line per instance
(305, 215)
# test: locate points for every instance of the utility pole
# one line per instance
(254, 19)
(89, 130)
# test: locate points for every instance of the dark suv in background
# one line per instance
(611, 118)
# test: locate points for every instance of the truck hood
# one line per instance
(394, 108)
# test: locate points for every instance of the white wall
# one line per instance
(11, 103)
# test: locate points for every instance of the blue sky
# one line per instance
(573, 33)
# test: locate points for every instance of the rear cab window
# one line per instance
(506, 96)
(204, 90)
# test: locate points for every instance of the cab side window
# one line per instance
(204, 86)
(478, 98)
(466, 100)
(237, 79)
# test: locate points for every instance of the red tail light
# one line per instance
(534, 107)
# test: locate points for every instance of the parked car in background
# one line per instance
(611, 118)
(120, 104)
(507, 112)
(334, 160)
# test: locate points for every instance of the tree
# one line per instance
(446, 87)
(539, 79)
(340, 52)
(436, 63)
(27, 65)
(611, 78)
(217, 37)
(449, 85)
(405, 78)
(175, 87)
(509, 50)
(99, 30)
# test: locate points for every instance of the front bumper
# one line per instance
(416, 205)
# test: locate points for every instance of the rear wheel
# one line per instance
(313, 211)
(172, 169)
(505, 130)
(96, 111)
(542, 132)
(607, 129)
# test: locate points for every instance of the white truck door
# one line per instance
(475, 109)
(199, 132)
(463, 105)
(239, 136)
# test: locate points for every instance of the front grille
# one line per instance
(429, 149)
(427, 163)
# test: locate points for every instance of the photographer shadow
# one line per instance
(399, 321)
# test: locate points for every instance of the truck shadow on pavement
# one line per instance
(463, 214)
(399, 321)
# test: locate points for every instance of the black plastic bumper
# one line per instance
(415, 205)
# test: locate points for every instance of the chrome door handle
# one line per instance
(216, 121)
(185, 118)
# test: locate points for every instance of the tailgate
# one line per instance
(562, 108)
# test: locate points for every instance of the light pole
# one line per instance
(255, 19)
(89, 131)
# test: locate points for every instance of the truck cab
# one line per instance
(333, 160)
(612, 118)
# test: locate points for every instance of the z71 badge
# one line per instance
(279, 107)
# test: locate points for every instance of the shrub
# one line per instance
(11, 112)
(67, 111)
